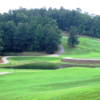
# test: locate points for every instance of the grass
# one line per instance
(25, 54)
(74, 83)
(87, 48)
(63, 84)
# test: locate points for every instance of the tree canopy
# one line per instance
(73, 39)
(23, 32)
(38, 29)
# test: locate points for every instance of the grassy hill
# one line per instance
(63, 84)
(87, 48)
(74, 83)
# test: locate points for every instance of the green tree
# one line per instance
(8, 36)
(38, 33)
(73, 39)
(21, 37)
(52, 37)
(31, 34)
(1, 43)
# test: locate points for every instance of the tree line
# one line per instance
(21, 30)
(38, 29)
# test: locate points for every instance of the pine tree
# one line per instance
(38, 33)
(73, 39)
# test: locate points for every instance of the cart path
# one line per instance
(61, 50)
(5, 59)
(1, 73)
(53, 55)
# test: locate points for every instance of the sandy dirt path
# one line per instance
(1, 73)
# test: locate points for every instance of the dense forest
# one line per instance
(40, 29)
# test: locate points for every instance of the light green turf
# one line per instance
(74, 83)
(63, 84)
(87, 48)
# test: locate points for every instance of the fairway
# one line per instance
(49, 53)
(87, 48)
(50, 84)
(72, 83)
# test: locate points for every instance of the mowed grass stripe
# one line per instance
(63, 84)
(79, 93)
(87, 48)
(38, 83)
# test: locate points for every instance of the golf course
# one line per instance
(42, 77)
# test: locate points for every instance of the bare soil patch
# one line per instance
(1, 61)
(65, 33)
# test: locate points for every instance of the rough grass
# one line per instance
(30, 59)
(25, 54)
(87, 48)
(28, 53)
(43, 62)
(63, 84)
